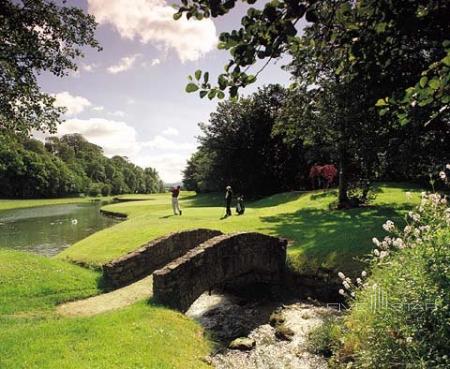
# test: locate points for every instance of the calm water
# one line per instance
(47, 230)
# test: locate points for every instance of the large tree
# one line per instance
(37, 36)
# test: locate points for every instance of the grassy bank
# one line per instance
(320, 238)
(7, 204)
(33, 336)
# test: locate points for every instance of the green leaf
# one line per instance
(220, 95)
(206, 77)
(191, 87)
(177, 16)
(446, 60)
(381, 102)
(423, 81)
(250, 79)
(198, 74)
(203, 93)
(212, 94)
(435, 84)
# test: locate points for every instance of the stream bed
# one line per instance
(227, 317)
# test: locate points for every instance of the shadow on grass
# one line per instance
(212, 199)
(332, 239)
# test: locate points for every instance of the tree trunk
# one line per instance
(343, 200)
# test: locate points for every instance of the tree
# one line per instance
(37, 36)
(238, 148)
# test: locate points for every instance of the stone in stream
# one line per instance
(242, 343)
(284, 333)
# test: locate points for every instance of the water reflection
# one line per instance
(47, 230)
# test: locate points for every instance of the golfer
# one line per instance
(228, 197)
(175, 206)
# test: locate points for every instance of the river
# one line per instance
(47, 230)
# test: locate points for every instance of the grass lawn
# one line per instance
(33, 336)
(6, 204)
(320, 237)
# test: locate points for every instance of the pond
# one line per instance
(47, 230)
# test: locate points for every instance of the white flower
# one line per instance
(375, 241)
(341, 275)
(408, 194)
(407, 229)
(352, 294)
(389, 226)
(409, 339)
(442, 175)
(414, 216)
(447, 166)
(342, 292)
(398, 242)
(376, 252)
(346, 285)
(383, 254)
(358, 280)
(363, 274)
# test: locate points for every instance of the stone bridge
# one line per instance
(153, 255)
(248, 257)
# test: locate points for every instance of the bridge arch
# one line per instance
(153, 255)
(217, 261)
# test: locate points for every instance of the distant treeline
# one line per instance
(68, 165)
(265, 143)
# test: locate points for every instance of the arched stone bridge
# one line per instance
(153, 255)
(253, 257)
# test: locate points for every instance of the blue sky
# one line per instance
(129, 98)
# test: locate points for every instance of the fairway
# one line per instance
(319, 237)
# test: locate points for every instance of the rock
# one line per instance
(276, 319)
(242, 343)
(284, 333)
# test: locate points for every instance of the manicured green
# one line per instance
(320, 237)
(33, 336)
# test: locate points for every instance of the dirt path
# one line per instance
(109, 301)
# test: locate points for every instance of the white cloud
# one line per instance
(89, 67)
(155, 61)
(98, 108)
(169, 166)
(124, 64)
(151, 21)
(74, 104)
(118, 113)
(170, 131)
(116, 138)
(163, 143)
(119, 138)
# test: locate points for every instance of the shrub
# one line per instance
(400, 315)
(95, 189)
(106, 190)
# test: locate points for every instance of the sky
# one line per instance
(129, 98)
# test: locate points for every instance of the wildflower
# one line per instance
(414, 216)
(389, 226)
(408, 195)
(375, 241)
(341, 275)
(398, 242)
(409, 339)
(442, 175)
(342, 292)
(359, 281)
(352, 294)
(407, 230)
(376, 252)
(346, 285)
(447, 166)
(363, 274)
(383, 254)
